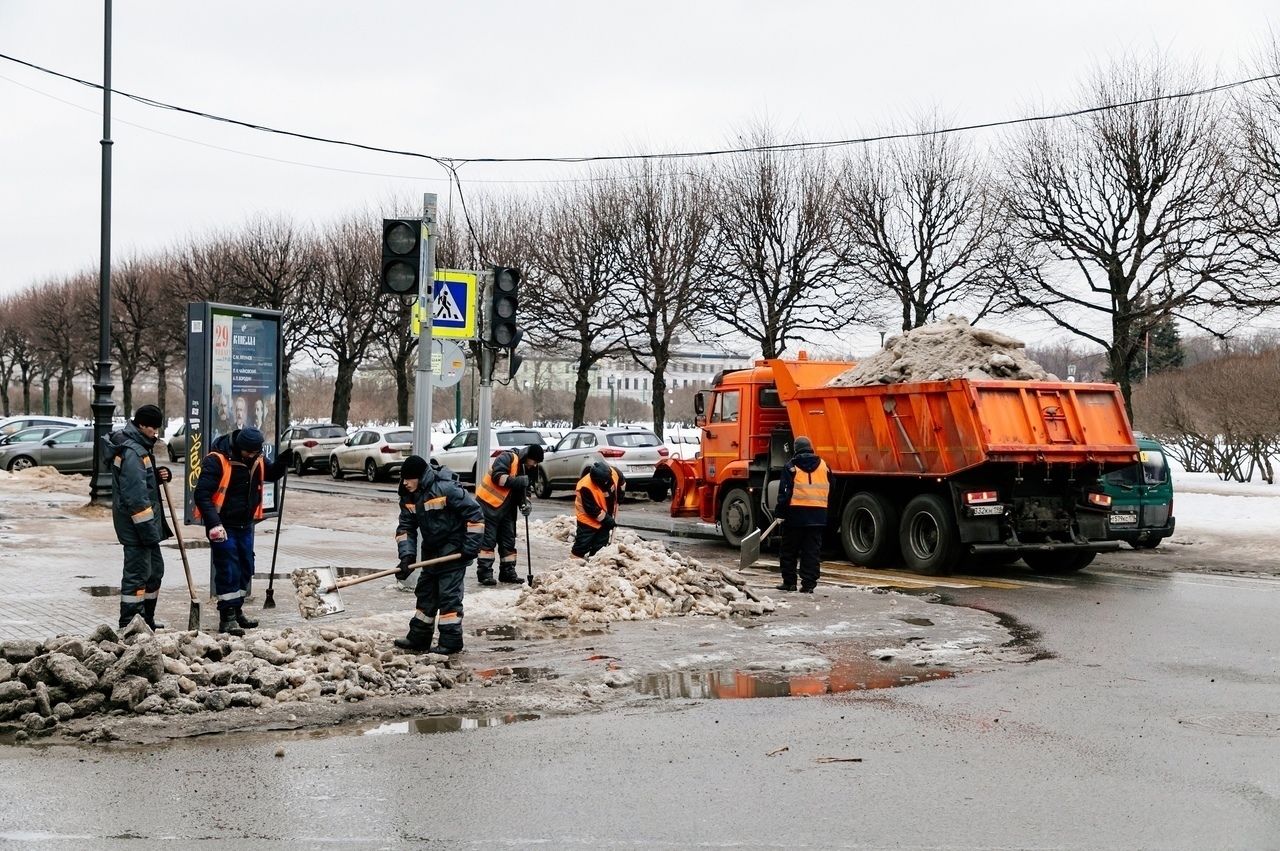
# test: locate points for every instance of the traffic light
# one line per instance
(504, 298)
(401, 256)
(514, 360)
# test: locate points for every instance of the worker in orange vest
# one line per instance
(504, 490)
(228, 498)
(595, 505)
(802, 507)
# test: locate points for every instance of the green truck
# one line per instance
(1141, 498)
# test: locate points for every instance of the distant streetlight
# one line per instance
(613, 402)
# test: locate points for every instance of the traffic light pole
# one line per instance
(484, 433)
(426, 307)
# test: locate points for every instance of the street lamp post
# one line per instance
(103, 405)
(613, 402)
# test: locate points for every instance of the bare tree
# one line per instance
(1256, 214)
(66, 318)
(576, 262)
(778, 276)
(666, 231)
(134, 292)
(342, 299)
(920, 227)
(1118, 214)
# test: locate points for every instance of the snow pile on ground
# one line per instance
(635, 579)
(44, 684)
(942, 351)
(46, 479)
(561, 528)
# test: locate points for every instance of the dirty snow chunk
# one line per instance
(942, 351)
(561, 528)
(635, 579)
(307, 583)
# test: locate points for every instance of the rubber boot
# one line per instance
(445, 651)
(227, 622)
(245, 623)
(507, 573)
(786, 586)
(128, 611)
(149, 614)
(419, 638)
(484, 572)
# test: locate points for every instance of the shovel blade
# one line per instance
(330, 600)
(750, 549)
(193, 618)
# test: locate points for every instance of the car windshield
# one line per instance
(1154, 469)
(519, 438)
(28, 435)
(327, 431)
(399, 437)
(634, 439)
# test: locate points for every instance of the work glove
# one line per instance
(163, 475)
(518, 482)
(218, 534)
(526, 508)
(608, 522)
(404, 569)
(286, 457)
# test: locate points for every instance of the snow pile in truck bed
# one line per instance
(635, 579)
(949, 349)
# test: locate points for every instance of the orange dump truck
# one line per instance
(926, 474)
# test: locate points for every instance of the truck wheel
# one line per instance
(928, 536)
(868, 529)
(737, 517)
(1067, 561)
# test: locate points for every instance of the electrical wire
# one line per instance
(448, 162)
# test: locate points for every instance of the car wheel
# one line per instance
(869, 529)
(299, 465)
(542, 487)
(737, 517)
(1067, 561)
(928, 536)
(335, 469)
(370, 471)
(22, 462)
(173, 456)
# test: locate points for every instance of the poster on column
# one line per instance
(233, 382)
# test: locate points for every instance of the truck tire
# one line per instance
(737, 517)
(869, 530)
(1067, 561)
(928, 536)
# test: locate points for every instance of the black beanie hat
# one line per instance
(532, 452)
(601, 474)
(413, 467)
(803, 444)
(148, 415)
(248, 440)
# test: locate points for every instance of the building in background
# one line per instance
(688, 368)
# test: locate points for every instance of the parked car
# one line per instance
(1141, 498)
(375, 452)
(176, 444)
(685, 444)
(10, 425)
(67, 451)
(27, 435)
(459, 454)
(312, 445)
(633, 451)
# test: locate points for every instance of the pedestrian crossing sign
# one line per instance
(453, 314)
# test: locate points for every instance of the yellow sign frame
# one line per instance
(471, 289)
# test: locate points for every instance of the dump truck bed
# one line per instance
(939, 428)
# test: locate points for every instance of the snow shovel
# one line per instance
(326, 593)
(751, 545)
(270, 602)
(193, 618)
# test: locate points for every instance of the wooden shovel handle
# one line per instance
(356, 580)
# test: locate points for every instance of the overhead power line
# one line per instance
(451, 163)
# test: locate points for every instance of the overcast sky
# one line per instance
(502, 79)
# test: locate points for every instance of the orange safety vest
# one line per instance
(584, 518)
(492, 492)
(814, 492)
(224, 481)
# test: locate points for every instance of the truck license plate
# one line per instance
(987, 510)
(1123, 519)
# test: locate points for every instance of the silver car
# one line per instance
(632, 451)
(375, 452)
(67, 451)
(176, 444)
(312, 445)
(12, 425)
(459, 454)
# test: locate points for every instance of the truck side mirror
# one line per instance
(699, 409)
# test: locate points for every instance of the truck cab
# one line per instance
(1141, 498)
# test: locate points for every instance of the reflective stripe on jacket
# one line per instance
(584, 515)
(490, 491)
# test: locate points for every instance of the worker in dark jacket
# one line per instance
(450, 521)
(138, 514)
(228, 499)
(505, 490)
(802, 507)
(595, 505)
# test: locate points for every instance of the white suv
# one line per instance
(632, 451)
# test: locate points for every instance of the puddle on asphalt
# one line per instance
(519, 674)
(340, 572)
(101, 590)
(536, 631)
(449, 723)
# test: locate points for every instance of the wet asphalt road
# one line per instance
(1154, 722)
